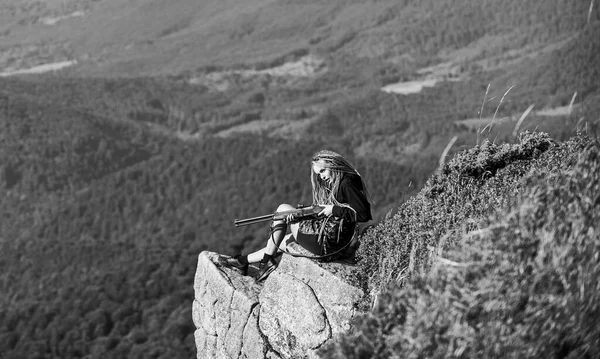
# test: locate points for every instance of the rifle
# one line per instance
(300, 212)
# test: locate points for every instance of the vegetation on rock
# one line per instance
(497, 256)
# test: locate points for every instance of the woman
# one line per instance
(340, 190)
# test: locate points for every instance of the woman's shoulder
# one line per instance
(352, 180)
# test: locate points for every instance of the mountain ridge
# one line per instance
(190, 35)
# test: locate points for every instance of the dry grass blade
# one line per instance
(483, 103)
(579, 124)
(445, 153)
(489, 125)
(516, 130)
(501, 100)
(571, 103)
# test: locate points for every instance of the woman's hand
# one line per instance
(327, 210)
(291, 218)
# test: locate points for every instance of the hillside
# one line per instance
(174, 118)
(495, 257)
(145, 37)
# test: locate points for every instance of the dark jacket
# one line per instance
(351, 192)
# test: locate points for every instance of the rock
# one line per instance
(301, 306)
(222, 306)
(291, 316)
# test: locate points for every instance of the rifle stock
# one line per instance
(299, 212)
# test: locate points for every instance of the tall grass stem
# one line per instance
(501, 100)
(448, 147)
(571, 103)
(483, 103)
(488, 125)
(579, 124)
(516, 130)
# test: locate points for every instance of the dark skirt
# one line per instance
(325, 236)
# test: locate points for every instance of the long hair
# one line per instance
(338, 165)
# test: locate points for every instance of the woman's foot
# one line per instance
(238, 263)
(267, 265)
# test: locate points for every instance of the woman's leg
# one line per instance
(277, 237)
(269, 249)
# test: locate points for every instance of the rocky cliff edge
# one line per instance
(298, 308)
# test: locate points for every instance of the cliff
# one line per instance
(301, 306)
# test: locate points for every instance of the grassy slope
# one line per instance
(495, 257)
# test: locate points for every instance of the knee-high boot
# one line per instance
(268, 264)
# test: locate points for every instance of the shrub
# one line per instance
(458, 195)
(518, 280)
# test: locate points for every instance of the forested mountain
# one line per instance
(104, 220)
(180, 117)
(157, 36)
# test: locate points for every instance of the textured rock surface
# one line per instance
(295, 311)
(222, 309)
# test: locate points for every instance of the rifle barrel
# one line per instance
(247, 221)
(302, 212)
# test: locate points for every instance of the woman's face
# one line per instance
(323, 173)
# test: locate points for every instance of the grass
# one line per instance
(445, 153)
(502, 100)
(518, 125)
(495, 257)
